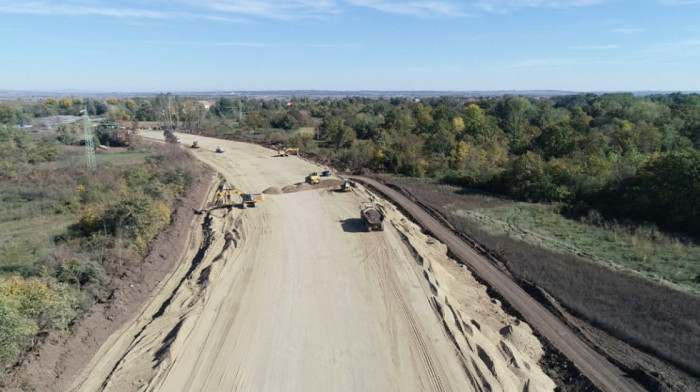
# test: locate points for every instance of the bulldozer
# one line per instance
(313, 178)
(195, 144)
(346, 186)
(286, 151)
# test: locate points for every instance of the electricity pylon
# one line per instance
(89, 141)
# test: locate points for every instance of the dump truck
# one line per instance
(346, 186)
(195, 144)
(313, 178)
(373, 217)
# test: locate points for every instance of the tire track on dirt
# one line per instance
(436, 375)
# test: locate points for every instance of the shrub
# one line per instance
(16, 331)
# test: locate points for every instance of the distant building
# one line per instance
(206, 104)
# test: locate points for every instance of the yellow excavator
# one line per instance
(286, 151)
(223, 198)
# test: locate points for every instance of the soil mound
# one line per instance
(330, 183)
(273, 190)
(302, 186)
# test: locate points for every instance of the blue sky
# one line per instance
(229, 45)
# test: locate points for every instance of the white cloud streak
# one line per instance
(72, 8)
(628, 30)
(240, 10)
(679, 2)
(599, 47)
(506, 6)
(429, 9)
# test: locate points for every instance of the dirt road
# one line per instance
(599, 370)
(294, 295)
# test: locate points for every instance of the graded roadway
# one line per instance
(299, 300)
(294, 295)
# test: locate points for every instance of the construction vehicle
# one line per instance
(346, 186)
(250, 199)
(223, 198)
(313, 178)
(286, 151)
(195, 144)
(219, 149)
(373, 217)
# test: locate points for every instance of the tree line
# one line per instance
(633, 157)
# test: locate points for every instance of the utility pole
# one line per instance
(89, 143)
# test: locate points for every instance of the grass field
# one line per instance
(642, 249)
(123, 158)
(23, 243)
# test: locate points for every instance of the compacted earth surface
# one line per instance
(295, 294)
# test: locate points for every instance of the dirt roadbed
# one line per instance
(294, 294)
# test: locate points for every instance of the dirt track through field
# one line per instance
(294, 295)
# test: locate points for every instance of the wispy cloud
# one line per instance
(540, 62)
(279, 9)
(96, 8)
(682, 44)
(241, 10)
(679, 2)
(414, 8)
(70, 8)
(599, 47)
(505, 6)
(628, 30)
(232, 10)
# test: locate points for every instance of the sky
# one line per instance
(444, 45)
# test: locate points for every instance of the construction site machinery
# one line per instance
(346, 186)
(373, 217)
(195, 144)
(286, 151)
(249, 199)
(219, 149)
(313, 178)
(223, 198)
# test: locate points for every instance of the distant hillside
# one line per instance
(283, 94)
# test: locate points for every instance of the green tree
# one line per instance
(254, 120)
(330, 128)
(667, 189)
(557, 140)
